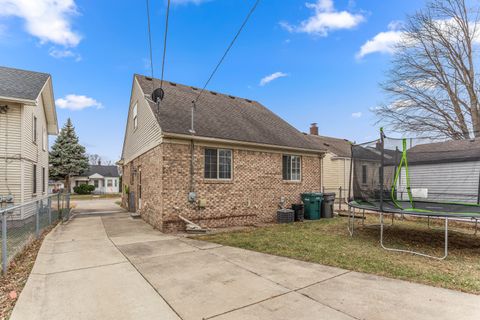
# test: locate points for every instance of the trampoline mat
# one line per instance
(423, 208)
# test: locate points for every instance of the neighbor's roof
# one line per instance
(339, 147)
(221, 116)
(21, 84)
(441, 152)
(106, 171)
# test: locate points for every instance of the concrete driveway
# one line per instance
(110, 266)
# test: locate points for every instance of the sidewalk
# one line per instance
(109, 266)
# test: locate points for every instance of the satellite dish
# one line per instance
(158, 95)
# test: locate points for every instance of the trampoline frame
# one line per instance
(382, 212)
(351, 230)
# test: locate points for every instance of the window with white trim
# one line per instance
(135, 116)
(44, 139)
(34, 129)
(218, 164)
(292, 168)
(364, 174)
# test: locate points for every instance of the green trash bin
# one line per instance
(312, 203)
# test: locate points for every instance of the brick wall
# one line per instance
(252, 196)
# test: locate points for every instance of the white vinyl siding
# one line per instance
(10, 136)
(456, 181)
(147, 134)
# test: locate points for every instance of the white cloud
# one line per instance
(77, 102)
(325, 19)
(48, 20)
(273, 76)
(356, 115)
(384, 42)
(64, 53)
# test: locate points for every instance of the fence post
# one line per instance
(67, 204)
(49, 210)
(58, 207)
(340, 199)
(4, 243)
(37, 218)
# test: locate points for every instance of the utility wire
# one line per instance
(165, 44)
(150, 42)
(228, 49)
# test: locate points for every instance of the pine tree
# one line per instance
(67, 157)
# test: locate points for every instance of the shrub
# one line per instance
(84, 189)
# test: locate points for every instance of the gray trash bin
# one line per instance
(327, 205)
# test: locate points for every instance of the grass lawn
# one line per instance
(328, 242)
(94, 196)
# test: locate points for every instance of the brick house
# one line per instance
(236, 167)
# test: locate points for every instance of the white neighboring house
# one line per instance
(27, 117)
(106, 179)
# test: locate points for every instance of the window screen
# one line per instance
(291, 168)
(218, 164)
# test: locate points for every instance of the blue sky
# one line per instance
(320, 60)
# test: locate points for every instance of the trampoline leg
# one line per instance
(415, 252)
(363, 218)
(428, 222)
(393, 217)
(351, 220)
(476, 223)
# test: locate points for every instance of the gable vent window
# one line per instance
(135, 116)
(218, 164)
(292, 167)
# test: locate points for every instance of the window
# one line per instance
(364, 174)
(34, 129)
(116, 183)
(34, 187)
(218, 164)
(291, 168)
(44, 139)
(109, 183)
(135, 117)
(95, 183)
(43, 180)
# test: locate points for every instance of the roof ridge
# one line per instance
(25, 70)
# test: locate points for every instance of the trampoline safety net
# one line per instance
(417, 175)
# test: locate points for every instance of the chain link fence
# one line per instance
(22, 223)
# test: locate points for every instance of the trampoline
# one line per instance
(417, 177)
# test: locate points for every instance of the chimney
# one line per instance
(99, 162)
(314, 129)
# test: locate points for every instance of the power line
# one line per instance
(150, 41)
(165, 43)
(228, 49)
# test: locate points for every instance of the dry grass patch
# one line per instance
(12, 283)
(328, 242)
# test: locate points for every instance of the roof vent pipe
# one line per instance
(314, 129)
(194, 106)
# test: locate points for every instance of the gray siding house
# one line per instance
(444, 171)
(27, 117)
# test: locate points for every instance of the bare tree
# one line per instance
(94, 159)
(432, 87)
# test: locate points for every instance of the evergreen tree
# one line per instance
(67, 157)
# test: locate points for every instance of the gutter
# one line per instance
(241, 143)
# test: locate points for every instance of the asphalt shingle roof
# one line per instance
(339, 147)
(221, 116)
(21, 84)
(448, 151)
(106, 171)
